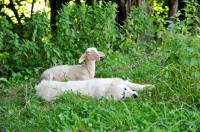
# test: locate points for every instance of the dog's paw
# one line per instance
(149, 86)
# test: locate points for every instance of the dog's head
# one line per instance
(121, 91)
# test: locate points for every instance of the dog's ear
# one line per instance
(112, 86)
(117, 81)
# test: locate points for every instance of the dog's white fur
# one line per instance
(98, 87)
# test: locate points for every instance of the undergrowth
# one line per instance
(159, 109)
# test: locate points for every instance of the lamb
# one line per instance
(75, 72)
(97, 88)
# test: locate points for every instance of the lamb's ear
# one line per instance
(101, 54)
(82, 58)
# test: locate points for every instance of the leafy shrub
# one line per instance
(80, 27)
(191, 22)
(139, 27)
(161, 9)
(23, 57)
(180, 74)
(9, 42)
(37, 29)
(183, 50)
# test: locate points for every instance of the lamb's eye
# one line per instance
(125, 88)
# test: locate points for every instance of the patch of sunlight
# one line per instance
(82, 1)
(71, 2)
(26, 7)
(39, 5)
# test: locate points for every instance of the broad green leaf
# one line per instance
(170, 22)
(186, 9)
(189, 21)
(194, 61)
(197, 74)
(194, 8)
(26, 77)
(198, 86)
(54, 60)
(189, 15)
(189, 27)
(197, 18)
(3, 79)
(186, 60)
(187, 1)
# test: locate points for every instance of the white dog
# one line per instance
(98, 87)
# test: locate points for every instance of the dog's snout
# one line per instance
(135, 95)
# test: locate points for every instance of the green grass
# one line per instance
(73, 112)
(172, 106)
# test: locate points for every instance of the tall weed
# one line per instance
(83, 26)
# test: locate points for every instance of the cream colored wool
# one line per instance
(75, 72)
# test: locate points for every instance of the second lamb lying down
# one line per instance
(97, 88)
(75, 72)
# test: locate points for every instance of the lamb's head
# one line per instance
(122, 91)
(91, 54)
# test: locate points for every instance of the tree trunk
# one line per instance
(55, 5)
(124, 8)
(175, 5)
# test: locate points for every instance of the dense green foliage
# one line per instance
(19, 51)
(161, 9)
(85, 26)
(138, 29)
(171, 63)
